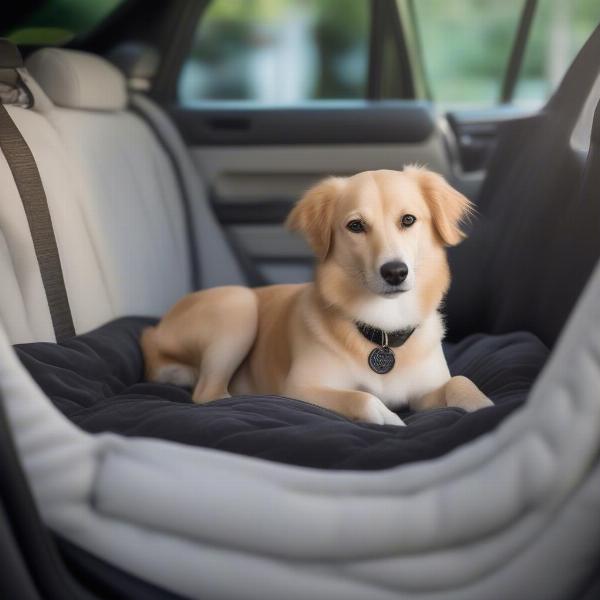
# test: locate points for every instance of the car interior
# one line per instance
(140, 160)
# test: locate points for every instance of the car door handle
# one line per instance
(230, 123)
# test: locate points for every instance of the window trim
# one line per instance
(412, 36)
(517, 53)
(376, 45)
(407, 76)
(385, 13)
(187, 18)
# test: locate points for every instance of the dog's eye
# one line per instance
(408, 220)
(355, 226)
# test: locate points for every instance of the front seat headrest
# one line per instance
(138, 62)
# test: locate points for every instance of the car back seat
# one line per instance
(115, 204)
(133, 183)
(130, 199)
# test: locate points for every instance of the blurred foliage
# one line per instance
(558, 32)
(70, 17)
(466, 45)
(37, 36)
(232, 31)
(341, 27)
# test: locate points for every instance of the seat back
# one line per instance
(131, 202)
(23, 307)
(538, 233)
(115, 203)
(139, 63)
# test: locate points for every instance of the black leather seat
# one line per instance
(537, 237)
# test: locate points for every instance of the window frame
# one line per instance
(386, 12)
(517, 52)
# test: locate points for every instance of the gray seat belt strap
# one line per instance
(29, 185)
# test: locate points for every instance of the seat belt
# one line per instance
(29, 185)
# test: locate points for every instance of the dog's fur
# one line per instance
(301, 340)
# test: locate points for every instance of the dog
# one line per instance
(364, 337)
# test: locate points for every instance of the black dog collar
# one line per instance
(395, 339)
(382, 359)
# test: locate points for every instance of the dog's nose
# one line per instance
(394, 272)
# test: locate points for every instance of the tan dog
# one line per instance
(366, 334)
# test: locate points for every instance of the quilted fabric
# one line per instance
(96, 380)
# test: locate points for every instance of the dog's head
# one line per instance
(382, 233)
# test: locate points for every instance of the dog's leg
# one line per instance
(355, 405)
(203, 341)
(458, 391)
(231, 332)
(221, 359)
(162, 368)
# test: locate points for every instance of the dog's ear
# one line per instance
(312, 215)
(449, 208)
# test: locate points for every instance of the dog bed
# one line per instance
(96, 380)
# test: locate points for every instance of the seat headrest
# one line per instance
(138, 62)
(74, 79)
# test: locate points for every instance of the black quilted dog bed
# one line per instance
(96, 380)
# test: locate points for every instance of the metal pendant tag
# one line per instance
(382, 360)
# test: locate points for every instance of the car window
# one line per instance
(558, 31)
(56, 22)
(465, 46)
(278, 52)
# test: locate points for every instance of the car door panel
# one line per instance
(317, 122)
(475, 132)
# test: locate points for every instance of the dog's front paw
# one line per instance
(463, 393)
(373, 410)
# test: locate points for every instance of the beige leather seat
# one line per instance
(114, 199)
(23, 307)
(130, 200)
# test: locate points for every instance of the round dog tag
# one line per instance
(382, 360)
